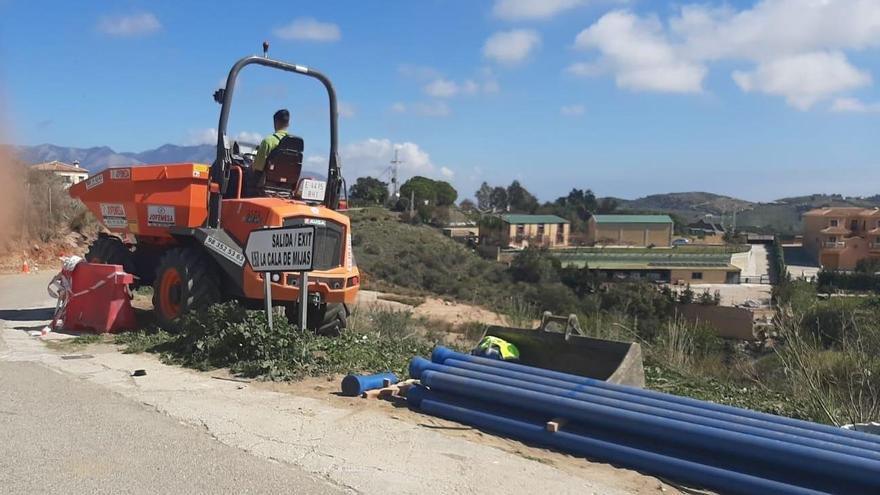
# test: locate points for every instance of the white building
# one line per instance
(70, 174)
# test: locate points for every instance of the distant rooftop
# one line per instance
(842, 211)
(659, 259)
(56, 166)
(632, 219)
(529, 219)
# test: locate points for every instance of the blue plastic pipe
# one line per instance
(480, 416)
(354, 385)
(695, 416)
(858, 471)
(441, 354)
(866, 449)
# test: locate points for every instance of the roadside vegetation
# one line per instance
(40, 221)
(229, 336)
(820, 363)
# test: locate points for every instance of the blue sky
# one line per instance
(756, 99)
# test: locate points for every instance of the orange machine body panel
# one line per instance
(338, 284)
(147, 200)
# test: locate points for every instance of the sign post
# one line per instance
(267, 297)
(283, 249)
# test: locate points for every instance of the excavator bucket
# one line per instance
(569, 351)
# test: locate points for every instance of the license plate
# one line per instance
(312, 190)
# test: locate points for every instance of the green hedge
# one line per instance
(778, 268)
(852, 281)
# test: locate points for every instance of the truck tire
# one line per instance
(327, 319)
(185, 280)
(334, 319)
(110, 250)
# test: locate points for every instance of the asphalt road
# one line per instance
(61, 434)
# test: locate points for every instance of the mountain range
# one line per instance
(101, 157)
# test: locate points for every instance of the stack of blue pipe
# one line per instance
(699, 443)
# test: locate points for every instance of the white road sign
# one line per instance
(281, 249)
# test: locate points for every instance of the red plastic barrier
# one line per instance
(99, 299)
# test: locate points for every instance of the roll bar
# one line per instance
(223, 161)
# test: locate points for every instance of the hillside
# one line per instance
(782, 215)
(419, 259)
(101, 157)
(687, 203)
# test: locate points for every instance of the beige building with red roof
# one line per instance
(70, 174)
(839, 237)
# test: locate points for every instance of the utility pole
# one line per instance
(395, 165)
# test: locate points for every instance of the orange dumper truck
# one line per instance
(183, 227)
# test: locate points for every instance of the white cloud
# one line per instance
(431, 109)
(346, 110)
(209, 136)
(511, 47)
(309, 29)
(246, 137)
(572, 110)
(531, 9)
(854, 105)
(447, 172)
(447, 88)
(638, 52)
(586, 69)
(419, 72)
(140, 24)
(422, 108)
(803, 79)
(774, 28)
(372, 157)
(796, 49)
(314, 162)
(442, 88)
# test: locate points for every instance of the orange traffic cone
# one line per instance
(25, 268)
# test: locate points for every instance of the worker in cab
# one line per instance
(281, 119)
(496, 348)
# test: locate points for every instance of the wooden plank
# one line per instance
(400, 390)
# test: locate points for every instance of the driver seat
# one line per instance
(283, 167)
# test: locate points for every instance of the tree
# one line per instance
(519, 199)
(435, 192)
(444, 193)
(369, 190)
(499, 199)
(687, 295)
(467, 206)
(420, 188)
(607, 205)
(484, 197)
(534, 265)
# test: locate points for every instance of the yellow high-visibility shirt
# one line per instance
(266, 147)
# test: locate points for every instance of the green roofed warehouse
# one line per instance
(630, 230)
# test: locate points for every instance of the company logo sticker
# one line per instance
(93, 182)
(161, 216)
(113, 215)
(120, 173)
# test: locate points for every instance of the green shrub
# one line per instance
(830, 281)
(229, 336)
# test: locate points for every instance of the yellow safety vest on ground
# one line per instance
(508, 351)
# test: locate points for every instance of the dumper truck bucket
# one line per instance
(568, 351)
